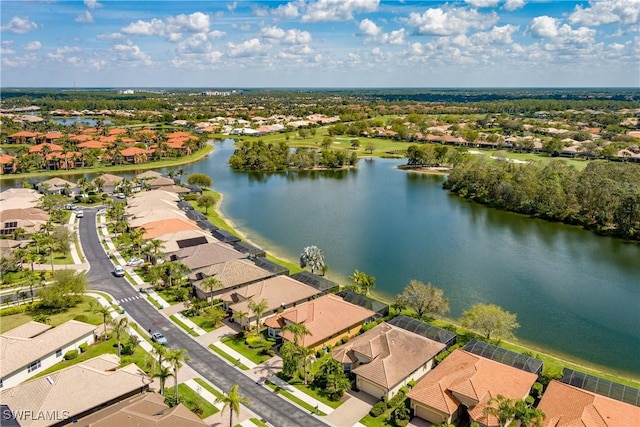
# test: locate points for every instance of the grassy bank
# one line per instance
(191, 158)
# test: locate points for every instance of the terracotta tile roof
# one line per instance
(53, 135)
(75, 389)
(24, 214)
(277, 291)
(568, 406)
(80, 138)
(133, 151)
(176, 143)
(200, 256)
(92, 144)
(394, 354)
(38, 148)
(58, 155)
(117, 131)
(230, 273)
(324, 317)
(5, 159)
(24, 133)
(149, 410)
(16, 352)
(178, 135)
(473, 377)
(172, 225)
(108, 139)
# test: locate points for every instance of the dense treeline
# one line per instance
(605, 196)
(260, 156)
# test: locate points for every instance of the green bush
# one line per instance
(397, 399)
(254, 341)
(529, 400)
(81, 318)
(190, 197)
(378, 409)
(71, 354)
(537, 389)
(83, 347)
(16, 309)
(411, 384)
(401, 416)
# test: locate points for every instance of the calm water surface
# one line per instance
(574, 292)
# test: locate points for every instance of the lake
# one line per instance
(574, 292)
(81, 120)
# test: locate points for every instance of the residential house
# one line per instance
(110, 183)
(23, 137)
(19, 198)
(172, 225)
(364, 301)
(147, 409)
(8, 164)
(69, 394)
(386, 357)
(150, 174)
(328, 318)
(33, 347)
(466, 382)
(45, 148)
(174, 241)
(200, 256)
(134, 155)
(142, 218)
(231, 275)
(58, 186)
(322, 284)
(28, 219)
(280, 293)
(249, 249)
(567, 406)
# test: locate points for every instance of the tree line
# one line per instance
(261, 156)
(604, 197)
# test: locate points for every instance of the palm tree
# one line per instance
(119, 327)
(211, 283)
(305, 353)
(258, 308)
(239, 315)
(160, 352)
(177, 357)
(503, 411)
(233, 400)
(162, 373)
(298, 330)
(101, 309)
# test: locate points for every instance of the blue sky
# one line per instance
(320, 43)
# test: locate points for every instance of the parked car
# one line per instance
(118, 271)
(80, 214)
(121, 196)
(159, 338)
(135, 262)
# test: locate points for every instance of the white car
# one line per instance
(118, 271)
(80, 214)
(135, 262)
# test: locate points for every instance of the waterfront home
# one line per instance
(150, 174)
(328, 318)
(230, 274)
(173, 241)
(109, 183)
(135, 155)
(200, 256)
(567, 406)
(280, 293)
(322, 284)
(386, 358)
(466, 382)
(145, 217)
(364, 301)
(23, 137)
(424, 329)
(8, 164)
(167, 226)
(74, 392)
(33, 347)
(58, 186)
(147, 409)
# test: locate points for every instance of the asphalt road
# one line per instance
(264, 403)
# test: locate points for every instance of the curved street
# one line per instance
(264, 403)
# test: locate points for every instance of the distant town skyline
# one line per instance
(320, 43)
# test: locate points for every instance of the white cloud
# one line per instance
(246, 48)
(62, 53)
(394, 37)
(560, 36)
(289, 10)
(34, 45)
(19, 25)
(544, 26)
(173, 28)
(512, 5)
(109, 36)
(6, 51)
(337, 10)
(446, 22)
(369, 28)
(85, 18)
(197, 22)
(482, 3)
(92, 4)
(497, 35)
(232, 6)
(130, 53)
(606, 12)
(145, 28)
(292, 36)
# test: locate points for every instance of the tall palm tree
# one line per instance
(162, 373)
(211, 283)
(177, 357)
(298, 330)
(119, 327)
(101, 309)
(160, 352)
(232, 400)
(500, 407)
(258, 308)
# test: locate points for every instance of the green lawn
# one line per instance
(207, 387)
(258, 422)
(577, 163)
(60, 258)
(294, 399)
(381, 421)
(253, 354)
(228, 358)
(178, 322)
(205, 323)
(193, 401)
(84, 309)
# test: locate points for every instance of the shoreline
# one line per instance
(520, 346)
